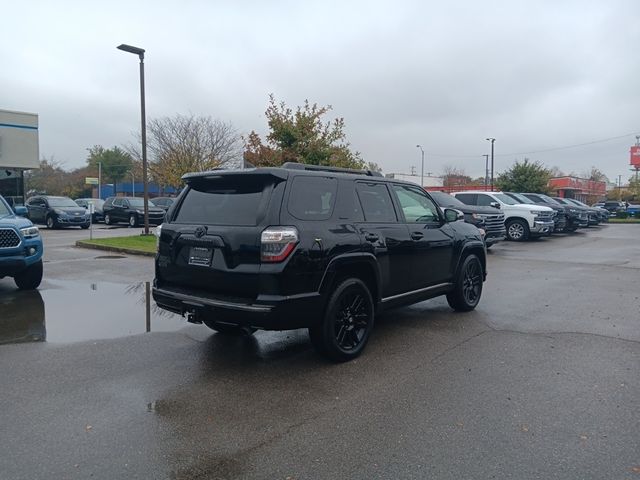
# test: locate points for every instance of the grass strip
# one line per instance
(141, 243)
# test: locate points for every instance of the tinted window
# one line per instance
(446, 200)
(376, 202)
(118, 202)
(312, 198)
(505, 199)
(61, 202)
(535, 198)
(222, 202)
(468, 198)
(484, 200)
(416, 206)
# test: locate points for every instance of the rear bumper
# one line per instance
(267, 312)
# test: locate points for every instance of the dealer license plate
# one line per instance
(200, 256)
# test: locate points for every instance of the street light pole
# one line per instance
(422, 171)
(492, 140)
(486, 169)
(145, 184)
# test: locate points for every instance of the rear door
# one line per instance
(431, 237)
(212, 241)
(386, 237)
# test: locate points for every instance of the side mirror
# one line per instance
(21, 210)
(495, 205)
(453, 215)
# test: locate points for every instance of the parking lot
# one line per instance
(540, 381)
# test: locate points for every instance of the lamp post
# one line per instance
(422, 171)
(140, 53)
(492, 140)
(133, 184)
(486, 169)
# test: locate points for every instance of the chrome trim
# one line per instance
(421, 290)
(196, 301)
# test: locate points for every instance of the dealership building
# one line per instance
(19, 152)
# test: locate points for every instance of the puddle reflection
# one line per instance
(75, 312)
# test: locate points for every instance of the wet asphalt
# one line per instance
(542, 380)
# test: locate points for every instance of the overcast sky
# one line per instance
(535, 75)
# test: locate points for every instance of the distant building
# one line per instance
(429, 181)
(582, 189)
(128, 189)
(19, 151)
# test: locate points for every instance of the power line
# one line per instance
(552, 149)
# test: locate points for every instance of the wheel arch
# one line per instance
(477, 249)
(359, 265)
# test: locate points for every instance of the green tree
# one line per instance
(116, 163)
(525, 176)
(301, 136)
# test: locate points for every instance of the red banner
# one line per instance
(635, 157)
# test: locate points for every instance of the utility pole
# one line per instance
(492, 140)
(486, 169)
(619, 187)
(422, 171)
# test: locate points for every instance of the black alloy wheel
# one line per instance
(347, 323)
(107, 219)
(468, 287)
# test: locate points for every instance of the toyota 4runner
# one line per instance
(311, 247)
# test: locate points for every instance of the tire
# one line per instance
(133, 220)
(30, 278)
(344, 330)
(517, 230)
(51, 223)
(226, 329)
(85, 226)
(468, 285)
(107, 219)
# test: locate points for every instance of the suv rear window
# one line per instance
(312, 198)
(222, 202)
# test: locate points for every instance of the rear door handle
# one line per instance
(417, 235)
(371, 237)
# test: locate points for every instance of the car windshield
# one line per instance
(61, 202)
(562, 201)
(139, 202)
(505, 199)
(4, 209)
(446, 200)
(578, 202)
(548, 199)
(521, 198)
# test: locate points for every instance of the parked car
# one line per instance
(559, 217)
(164, 202)
(633, 210)
(98, 203)
(595, 213)
(484, 218)
(20, 247)
(580, 214)
(614, 206)
(574, 218)
(56, 212)
(522, 221)
(311, 247)
(130, 210)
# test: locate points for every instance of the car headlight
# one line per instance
(30, 232)
(141, 212)
(535, 213)
(158, 232)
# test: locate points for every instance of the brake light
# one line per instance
(277, 243)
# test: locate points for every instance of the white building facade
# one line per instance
(19, 151)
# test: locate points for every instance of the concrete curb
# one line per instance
(106, 248)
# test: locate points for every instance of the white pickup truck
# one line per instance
(522, 221)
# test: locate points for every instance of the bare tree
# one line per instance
(188, 143)
(454, 176)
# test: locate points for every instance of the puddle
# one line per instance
(67, 312)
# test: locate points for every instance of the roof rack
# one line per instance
(321, 168)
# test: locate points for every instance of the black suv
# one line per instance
(130, 210)
(485, 218)
(311, 247)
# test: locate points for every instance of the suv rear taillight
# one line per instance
(277, 243)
